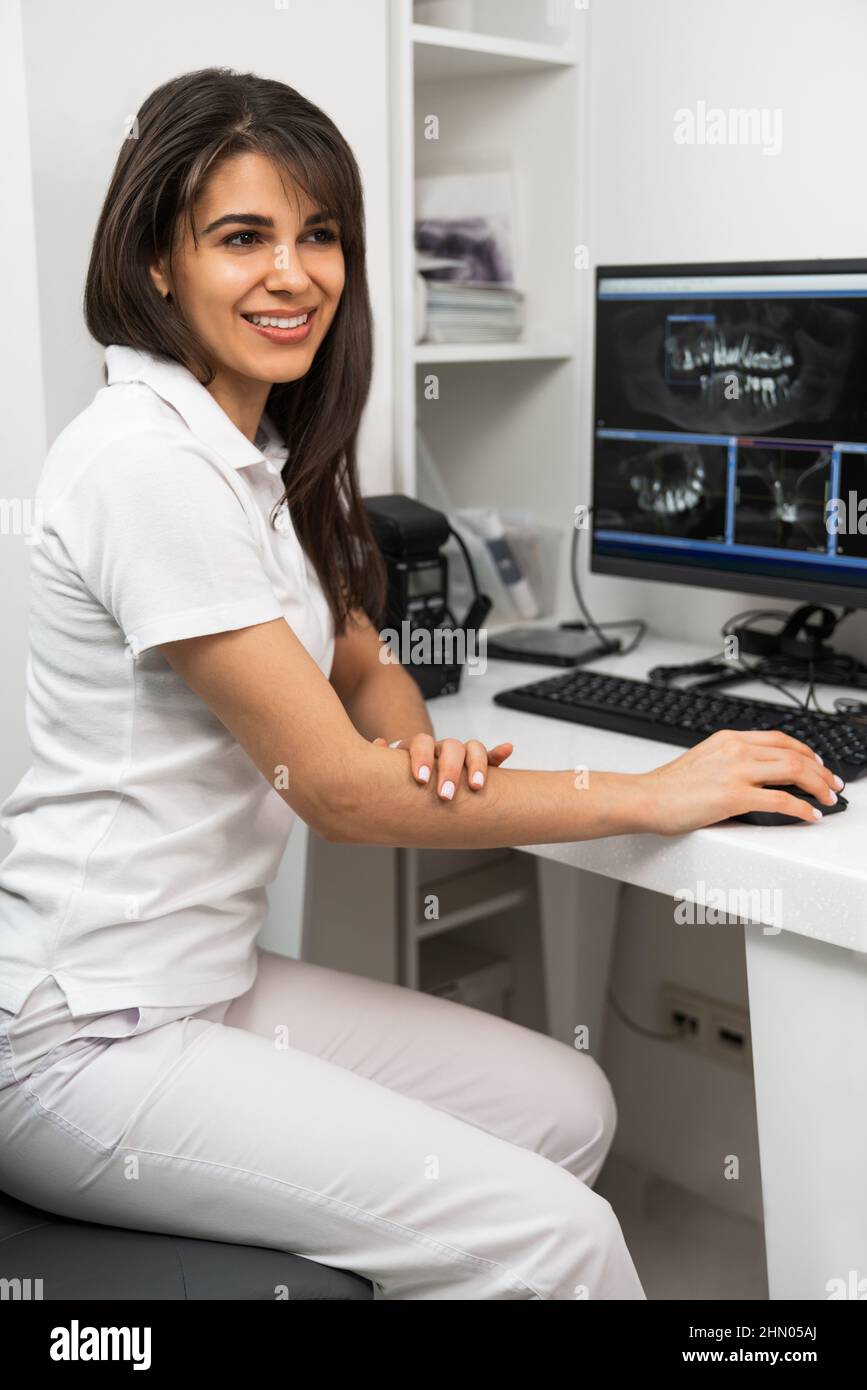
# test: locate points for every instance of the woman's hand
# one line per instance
(450, 755)
(726, 775)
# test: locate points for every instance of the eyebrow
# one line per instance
(256, 219)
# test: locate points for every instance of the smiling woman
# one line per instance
(240, 200)
(204, 667)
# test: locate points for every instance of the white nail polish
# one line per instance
(424, 774)
(817, 813)
(447, 790)
(477, 778)
(820, 760)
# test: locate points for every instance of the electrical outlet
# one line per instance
(683, 1014)
(710, 1027)
(729, 1039)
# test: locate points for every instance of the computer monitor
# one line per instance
(730, 440)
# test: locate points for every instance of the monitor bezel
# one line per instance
(704, 576)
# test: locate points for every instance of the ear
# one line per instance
(160, 282)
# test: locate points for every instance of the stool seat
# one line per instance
(85, 1260)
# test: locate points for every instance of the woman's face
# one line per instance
(264, 249)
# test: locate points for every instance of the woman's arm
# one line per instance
(381, 698)
(385, 704)
(269, 692)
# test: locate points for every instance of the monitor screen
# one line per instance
(730, 441)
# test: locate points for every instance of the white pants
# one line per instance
(439, 1151)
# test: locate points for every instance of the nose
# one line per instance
(288, 272)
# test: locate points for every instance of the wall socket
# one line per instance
(708, 1026)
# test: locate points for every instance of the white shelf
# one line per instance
(491, 352)
(442, 54)
(474, 895)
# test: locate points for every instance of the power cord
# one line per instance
(639, 1027)
(773, 670)
(638, 623)
(839, 669)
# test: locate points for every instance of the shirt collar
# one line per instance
(175, 384)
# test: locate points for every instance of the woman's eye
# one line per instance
(323, 232)
(230, 240)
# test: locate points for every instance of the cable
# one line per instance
(638, 623)
(759, 672)
(834, 669)
(837, 669)
(460, 540)
(638, 1027)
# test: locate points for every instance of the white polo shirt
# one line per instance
(143, 834)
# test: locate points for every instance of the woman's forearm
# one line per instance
(387, 703)
(380, 804)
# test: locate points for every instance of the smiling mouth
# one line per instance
(279, 320)
(281, 328)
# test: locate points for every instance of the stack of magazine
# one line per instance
(467, 311)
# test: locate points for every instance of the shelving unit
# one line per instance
(443, 54)
(489, 352)
(506, 100)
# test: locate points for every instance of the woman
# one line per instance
(204, 666)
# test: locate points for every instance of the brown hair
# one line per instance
(184, 129)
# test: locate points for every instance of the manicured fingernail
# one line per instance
(838, 782)
(820, 760)
(478, 778)
(817, 813)
(833, 796)
(424, 774)
(447, 790)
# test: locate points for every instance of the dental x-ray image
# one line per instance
(730, 408)
(702, 355)
(667, 489)
(780, 497)
(732, 366)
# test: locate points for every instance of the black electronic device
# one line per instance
(420, 630)
(782, 817)
(730, 433)
(685, 717)
(550, 646)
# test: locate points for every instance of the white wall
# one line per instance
(22, 417)
(654, 200)
(88, 66)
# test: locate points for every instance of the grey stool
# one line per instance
(84, 1260)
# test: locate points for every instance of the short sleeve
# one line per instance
(164, 542)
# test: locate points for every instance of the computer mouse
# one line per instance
(781, 818)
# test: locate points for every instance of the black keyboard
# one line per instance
(685, 717)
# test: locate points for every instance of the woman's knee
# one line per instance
(586, 1114)
(603, 1267)
(575, 1248)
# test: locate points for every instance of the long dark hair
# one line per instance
(183, 130)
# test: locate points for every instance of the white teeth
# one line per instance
(271, 322)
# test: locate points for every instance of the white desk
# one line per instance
(807, 982)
